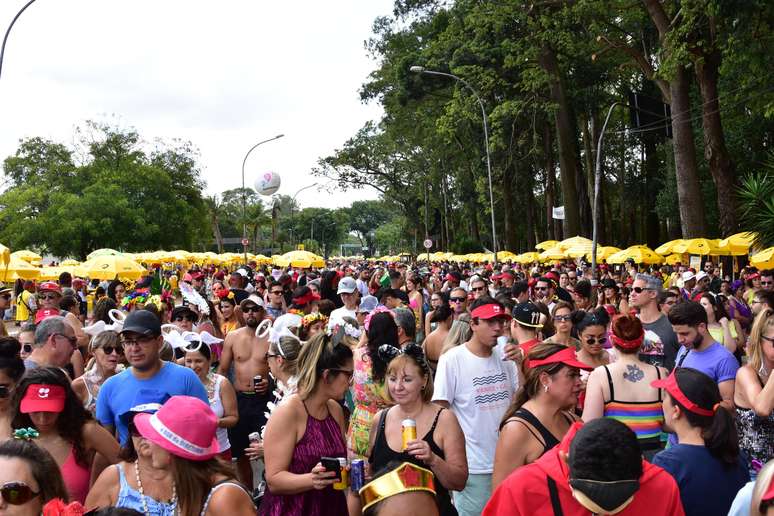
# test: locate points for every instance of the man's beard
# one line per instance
(696, 342)
(252, 322)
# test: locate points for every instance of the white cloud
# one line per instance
(224, 75)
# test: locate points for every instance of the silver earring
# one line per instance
(545, 388)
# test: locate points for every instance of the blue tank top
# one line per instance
(132, 499)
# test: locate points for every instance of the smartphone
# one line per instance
(332, 464)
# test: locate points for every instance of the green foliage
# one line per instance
(756, 193)
(120, 197)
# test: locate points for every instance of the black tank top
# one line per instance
(382, 454)
(548, 439)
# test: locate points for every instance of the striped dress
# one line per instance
(643, 417)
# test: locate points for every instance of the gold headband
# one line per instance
(403, 479)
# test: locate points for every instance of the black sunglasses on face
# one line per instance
(561, 318)
(591, 340)
(478, 289)
(253, 309)
(640, 290)
(456, 299)
(27, 348)
(541, 288)
(109, 350)
(5, 391)
(17, 493)
(180, 318)
(277, 292)
(48, 296)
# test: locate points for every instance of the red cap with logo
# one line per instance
(490, 311)
(44, 314)
(49, 286)
(43, 398)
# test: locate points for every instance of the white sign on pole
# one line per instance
(428, 243)
(558, 212)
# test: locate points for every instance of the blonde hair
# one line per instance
(319, 353)
(399, 364)
(765, 477)
(459, 333)
(763, 321)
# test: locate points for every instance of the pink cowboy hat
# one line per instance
(184, 426)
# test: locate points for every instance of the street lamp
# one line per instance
(422, 69)
(293, 201)
(597, 180)
(8, 32)
(244, 200)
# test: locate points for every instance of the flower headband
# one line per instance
(312, 318)
(403, 479)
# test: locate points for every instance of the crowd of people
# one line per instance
(367, 388)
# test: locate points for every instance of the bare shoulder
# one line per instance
(230, 498)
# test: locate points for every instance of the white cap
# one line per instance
(700, 276)
(688, 276)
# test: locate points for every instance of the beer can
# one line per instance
(356, 474)
(256, 380)
(254, 437)
(342, 484)
(408, 431)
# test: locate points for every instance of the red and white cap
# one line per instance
(41, 397)
(49, 286)
(490, 311)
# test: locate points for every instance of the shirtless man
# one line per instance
(249, 357)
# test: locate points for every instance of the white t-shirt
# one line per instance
(339, 313)
(478, 390)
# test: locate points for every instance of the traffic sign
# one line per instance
(428, 243)
(245, 241)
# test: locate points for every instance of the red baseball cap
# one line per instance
(41, 397)
(565, 356)
(45, 313)
(49, 286)
(490, 311)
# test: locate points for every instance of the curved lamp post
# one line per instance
(293, 201)
(244, 206)
(422, 69)
(8, 32)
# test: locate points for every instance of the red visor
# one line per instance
(670, 384)
(306, 299)
(43, 398)
(769, 494)
(565, 356)
(490, 311)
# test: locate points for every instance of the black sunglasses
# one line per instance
(639, 290)
(478, 289)
(278, 292)
(17, 493)
(253, 309)
(592, 340)
(456, 299)
(109, 350)
(184, 318)
(27, 348)
(5, 391)
(541, 288)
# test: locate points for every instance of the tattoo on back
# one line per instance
(633, 373)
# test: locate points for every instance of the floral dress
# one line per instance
(369, 398)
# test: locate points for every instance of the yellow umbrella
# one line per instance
(738, 244)
(582, 249)
(302, 259)
(666, 248)
(555, 253)
(528, 257)
(108, 267)
(105, 251)
(574, 241)
(27, 256)
(673, 259)
(69, 262)
(18, 269)
(603, 252)
(547, 244)
(700, 246)
(764, 259)
(640, 254)
(5, 255)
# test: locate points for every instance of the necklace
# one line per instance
(143, 498)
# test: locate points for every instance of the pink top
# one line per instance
(76, 478)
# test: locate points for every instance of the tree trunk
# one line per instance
(692, 218)
(568, 155)
(217, 233)
(508, 205)
(650, 166)
(552, 226)
(715, 150)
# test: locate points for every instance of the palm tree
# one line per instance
(756, 196)
(214, 210)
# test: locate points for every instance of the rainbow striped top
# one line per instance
(643, 417)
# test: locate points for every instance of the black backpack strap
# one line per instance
(553, 492)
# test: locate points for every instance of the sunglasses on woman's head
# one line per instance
(17, 493)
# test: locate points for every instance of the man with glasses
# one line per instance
(660, 344)
(26, 338)
(276, 306)
(49, 296)
(142, 341)
(54, 344)
(544, 292)
(248, 353)
(478, 287)
(762, 299)
(184, 318)
(477, 383)
(458, 300)
(666, 300)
